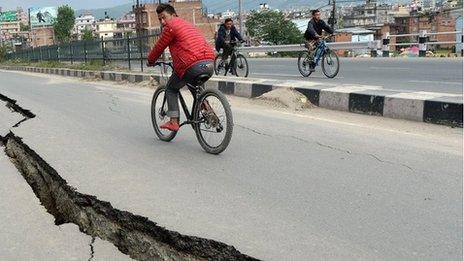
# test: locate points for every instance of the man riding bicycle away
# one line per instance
(191, 55)
(227, 34)
(314, 32)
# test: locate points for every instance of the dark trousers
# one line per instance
(175, 83)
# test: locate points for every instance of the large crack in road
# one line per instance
(136, 236)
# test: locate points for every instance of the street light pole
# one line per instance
(240, 10)
(333, 20)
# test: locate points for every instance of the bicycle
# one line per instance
(330, 61)
(237, 65)
(205, 117)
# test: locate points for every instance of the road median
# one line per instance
(430, 107)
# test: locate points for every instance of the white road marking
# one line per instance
(290, 75)
(436, 82)
(389, 68)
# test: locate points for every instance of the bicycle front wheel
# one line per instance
(330, 64)
(304, 64)
(214, 121)
(159, 108)
(241, 66)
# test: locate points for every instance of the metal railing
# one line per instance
(135, 49)
(423, 41)
(128, 50)
(299, 47)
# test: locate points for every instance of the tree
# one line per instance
(272, 26)
(3, 51)
(64, 23)
(87, 34)
(24, 27)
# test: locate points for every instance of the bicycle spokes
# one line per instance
(213, 121)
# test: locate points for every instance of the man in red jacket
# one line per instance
(191, 57)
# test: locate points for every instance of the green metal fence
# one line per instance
(131, 51)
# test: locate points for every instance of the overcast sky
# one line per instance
(76, 4)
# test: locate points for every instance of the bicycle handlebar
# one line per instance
(159, 64)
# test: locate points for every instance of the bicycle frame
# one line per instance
(187, 113)
(320, 50)
(233, 59)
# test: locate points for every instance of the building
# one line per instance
(415, 23)
(41, 36)
(228, 14)
(368, 15)
(8, 30)
(355, 34)
(84, 22)
(125, 25)
(191, 10)
(23, 16)
(106, 28)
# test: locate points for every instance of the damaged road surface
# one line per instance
(305, 186)
(133, 235)
(27, 231)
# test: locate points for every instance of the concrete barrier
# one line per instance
(437, 108)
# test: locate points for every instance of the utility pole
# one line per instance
(333, 20)
(240, 11)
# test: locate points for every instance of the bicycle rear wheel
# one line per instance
(215, 122)
(219, 66)
(304, 64)
(159, 107)
(330, 64)
(241, 66)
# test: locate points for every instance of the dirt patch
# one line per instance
(285, 98)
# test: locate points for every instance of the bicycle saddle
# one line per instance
(201, 79)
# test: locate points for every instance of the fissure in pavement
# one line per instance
(136, 236)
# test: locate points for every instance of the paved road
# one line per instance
(431, 75)
(317, 185)
(27, 231)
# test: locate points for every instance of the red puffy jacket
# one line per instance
(186, 44)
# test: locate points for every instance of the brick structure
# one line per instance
(343, 37)
(439, 22)
(191, 10)
(42, 36)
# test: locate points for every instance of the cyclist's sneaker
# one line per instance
(170, 126)
(312, 66)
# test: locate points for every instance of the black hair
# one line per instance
(228, 20)
(165, 7)
(315, 11)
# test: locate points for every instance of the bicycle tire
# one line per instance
(217, 61)
(154, 116)
(336, 60)
(237, 61)
(229, 121)
(304, 57)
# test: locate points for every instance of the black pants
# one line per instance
(227, 50)
(175, 84)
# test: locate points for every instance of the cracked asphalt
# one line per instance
(315, 184)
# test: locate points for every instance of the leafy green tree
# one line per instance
(272, 26)
(24, 27)
(3, 51)
(64, 23)
(87, 34)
